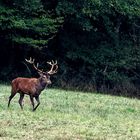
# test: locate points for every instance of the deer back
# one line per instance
(25, 85)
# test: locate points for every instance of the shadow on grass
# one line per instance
(105, 91)
(101, 91)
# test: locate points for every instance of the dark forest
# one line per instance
(96, 42)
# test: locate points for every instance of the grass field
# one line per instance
(67, 115)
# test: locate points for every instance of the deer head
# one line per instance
(44, 75)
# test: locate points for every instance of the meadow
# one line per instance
(70, 115)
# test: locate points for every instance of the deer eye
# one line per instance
(44, 76)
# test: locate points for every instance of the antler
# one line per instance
(53, 64)
(31, 61)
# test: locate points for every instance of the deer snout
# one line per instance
(49, 82)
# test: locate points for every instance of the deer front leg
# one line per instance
(38, 102)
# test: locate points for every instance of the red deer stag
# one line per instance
(32, 86)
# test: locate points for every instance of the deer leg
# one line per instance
(10, 97)
(32, 101)
(38, 102)
(21, 99)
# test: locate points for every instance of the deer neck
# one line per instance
(42, 83)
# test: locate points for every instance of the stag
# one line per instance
(32, 86)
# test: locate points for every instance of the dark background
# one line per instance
(96, 43)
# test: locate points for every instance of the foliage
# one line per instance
(96, 42)
(101, 38)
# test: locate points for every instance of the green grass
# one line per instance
(67, 115)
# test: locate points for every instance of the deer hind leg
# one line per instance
(21, 99)
(38, 102)
(10, 97)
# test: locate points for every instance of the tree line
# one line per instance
(96, 42)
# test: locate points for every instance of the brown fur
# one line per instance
(29, 86)
(26, 85)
